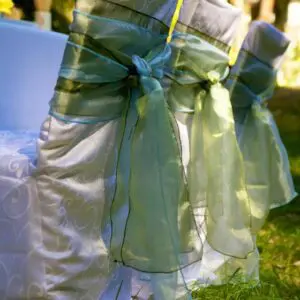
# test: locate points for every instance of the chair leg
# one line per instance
(44, 19)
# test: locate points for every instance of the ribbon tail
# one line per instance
(228, 209)
(283, 189)
(158, 193)
(268, 178)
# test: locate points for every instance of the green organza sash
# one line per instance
(268, 178)
(112, 69)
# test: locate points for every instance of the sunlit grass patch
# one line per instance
(274, 290)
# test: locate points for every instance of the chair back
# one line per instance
(29, 63)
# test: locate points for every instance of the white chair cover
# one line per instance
(29, 64)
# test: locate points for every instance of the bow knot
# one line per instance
(147, 69)
(151, 68)
(142, 67)
(216, 77)
(213, 76)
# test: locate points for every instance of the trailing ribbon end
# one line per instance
(226, 198)
(156, 178)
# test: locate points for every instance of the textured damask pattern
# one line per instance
(21, 273)
(75, 188)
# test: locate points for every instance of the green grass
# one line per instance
(279, 241)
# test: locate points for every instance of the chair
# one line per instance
(29, 64)
(29, 60)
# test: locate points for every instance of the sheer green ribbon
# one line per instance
(216, 170)
(216, 161)
(157, 189)
(268, 176)
(228, 216)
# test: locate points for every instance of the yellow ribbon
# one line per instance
(174, 20)
(6, 6)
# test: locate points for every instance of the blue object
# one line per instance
(29, 63)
